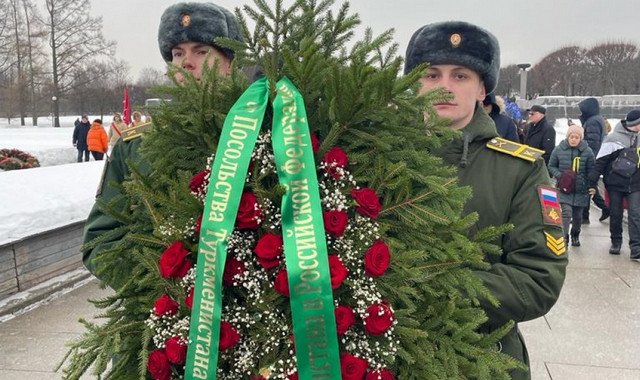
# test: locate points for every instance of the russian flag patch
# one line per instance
(551, 212)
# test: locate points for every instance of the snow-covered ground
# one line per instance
(58, 193)
(61, 191)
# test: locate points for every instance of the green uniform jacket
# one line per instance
(98, 222)
(529, 274)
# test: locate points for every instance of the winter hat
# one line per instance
(632, 119)
(538, 108)
(576, 129)
(196, 22)
(456, 42)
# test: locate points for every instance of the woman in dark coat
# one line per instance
(573, 153)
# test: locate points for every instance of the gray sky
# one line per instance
(527, 31)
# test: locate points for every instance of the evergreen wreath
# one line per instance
(13, 159)
(400, 261)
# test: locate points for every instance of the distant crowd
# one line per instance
(93, 139)
(592, 149)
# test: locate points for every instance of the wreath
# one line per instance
(397, 294)
(12, 159)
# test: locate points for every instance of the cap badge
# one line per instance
(186, 20)
(455, 40)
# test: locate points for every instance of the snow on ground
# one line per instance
(61, 191)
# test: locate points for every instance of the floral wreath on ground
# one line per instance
(256, 326)
(13, 159)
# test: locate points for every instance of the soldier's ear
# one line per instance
(482, 92)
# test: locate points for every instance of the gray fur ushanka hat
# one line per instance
(196, 22)
(456, 43)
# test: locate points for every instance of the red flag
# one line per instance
(126, 107)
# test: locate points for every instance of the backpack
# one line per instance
(626, 164)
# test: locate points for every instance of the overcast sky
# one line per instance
(527, 30)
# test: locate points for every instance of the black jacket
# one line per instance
(504, 124)
(80, 135)
(542, 136)
(592, 123)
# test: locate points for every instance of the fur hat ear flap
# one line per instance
(456, 43)
(196, 22)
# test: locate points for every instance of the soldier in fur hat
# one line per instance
(510, 181)
(187, 38)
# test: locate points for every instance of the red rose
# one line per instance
(376, 259)
(379, 318)
(293, 376)
(345, 318)
(337, 270)
(165, 305)
(199, 182)
(269, 249)
(335, 222)
(176, 350)
(229, 336)
(189, 299)
(197, 228)
(368, 202)
(233, 269)
(281, 283)
(315, 143)
(352, 367)
(333, 159)
(383, 374)
(159, 366)
(248, 212)
(174, 262)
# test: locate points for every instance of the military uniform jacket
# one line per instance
(528, 276)
(98, 222)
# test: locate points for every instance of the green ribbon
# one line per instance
(228, 174)
(302, 225)
(305, 247)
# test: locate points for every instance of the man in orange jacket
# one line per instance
(97, 140)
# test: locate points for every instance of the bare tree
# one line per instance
(35, 37)
(558, 73)
(609, 62)
(150, 77)
(99, 87)
(75, 39)
(509, 80)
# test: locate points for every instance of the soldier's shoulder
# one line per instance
(136, 131)
(514, 149)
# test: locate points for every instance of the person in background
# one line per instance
(625, 135)
(136, 119)
(80, 132)
(504, 124)
(186, 38)
(509, 184)
(97, 140)
(595, 129)
(540, 135)
(115, 130)
(573, 154)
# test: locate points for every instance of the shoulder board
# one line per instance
(515, 149)
(136, 131)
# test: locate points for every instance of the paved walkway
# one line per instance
(592, 333)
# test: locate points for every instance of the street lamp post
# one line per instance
(523, 79)
(56, 121)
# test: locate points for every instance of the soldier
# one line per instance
(510, 181)
(185, 38)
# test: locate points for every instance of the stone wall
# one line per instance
(611, 106)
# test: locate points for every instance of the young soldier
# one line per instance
(510, 181)
(186, 39)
